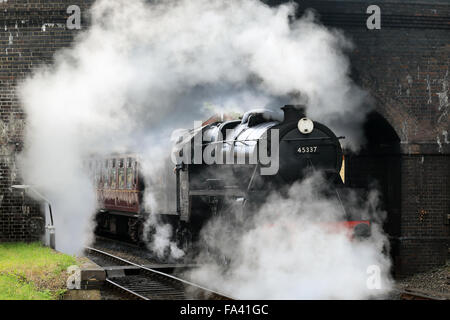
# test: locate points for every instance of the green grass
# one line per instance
(32, 271)
(14, 288)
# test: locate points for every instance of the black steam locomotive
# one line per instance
(221, 166)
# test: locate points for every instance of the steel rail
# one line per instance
(115, 284)
(415, 295)
(160, 274)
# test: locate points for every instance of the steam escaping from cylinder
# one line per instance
(142, 70)
(293, 247)
(159, 237)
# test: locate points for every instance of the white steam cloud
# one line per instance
(144, 69)
(292, 249)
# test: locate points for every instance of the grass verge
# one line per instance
(30, 271)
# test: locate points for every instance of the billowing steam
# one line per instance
(143, 69)
(292, 249)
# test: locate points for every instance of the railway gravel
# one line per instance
(435, 282)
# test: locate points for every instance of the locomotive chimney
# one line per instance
(293, 112)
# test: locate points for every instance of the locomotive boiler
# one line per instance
(218, 168)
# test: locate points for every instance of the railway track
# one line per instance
(415, 295)
(148, 284)
(145, 283)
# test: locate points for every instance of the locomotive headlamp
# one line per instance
(361, 231)
(305, 125)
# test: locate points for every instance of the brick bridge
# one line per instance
(404, 65)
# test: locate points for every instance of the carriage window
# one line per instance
(113, 174)
(129, 173)
(105, 174)
(121, 174)
(135, 174)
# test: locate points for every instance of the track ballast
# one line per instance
(149, 284)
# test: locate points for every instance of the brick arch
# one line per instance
(395, 114)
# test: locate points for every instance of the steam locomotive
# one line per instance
(221, 167)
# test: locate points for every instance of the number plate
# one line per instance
(308, 149)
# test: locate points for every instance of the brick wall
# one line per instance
(425, 206)
(24, 45)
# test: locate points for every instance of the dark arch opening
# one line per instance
(381, 138)
(378, 165)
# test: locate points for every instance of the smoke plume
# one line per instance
(142, 69)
